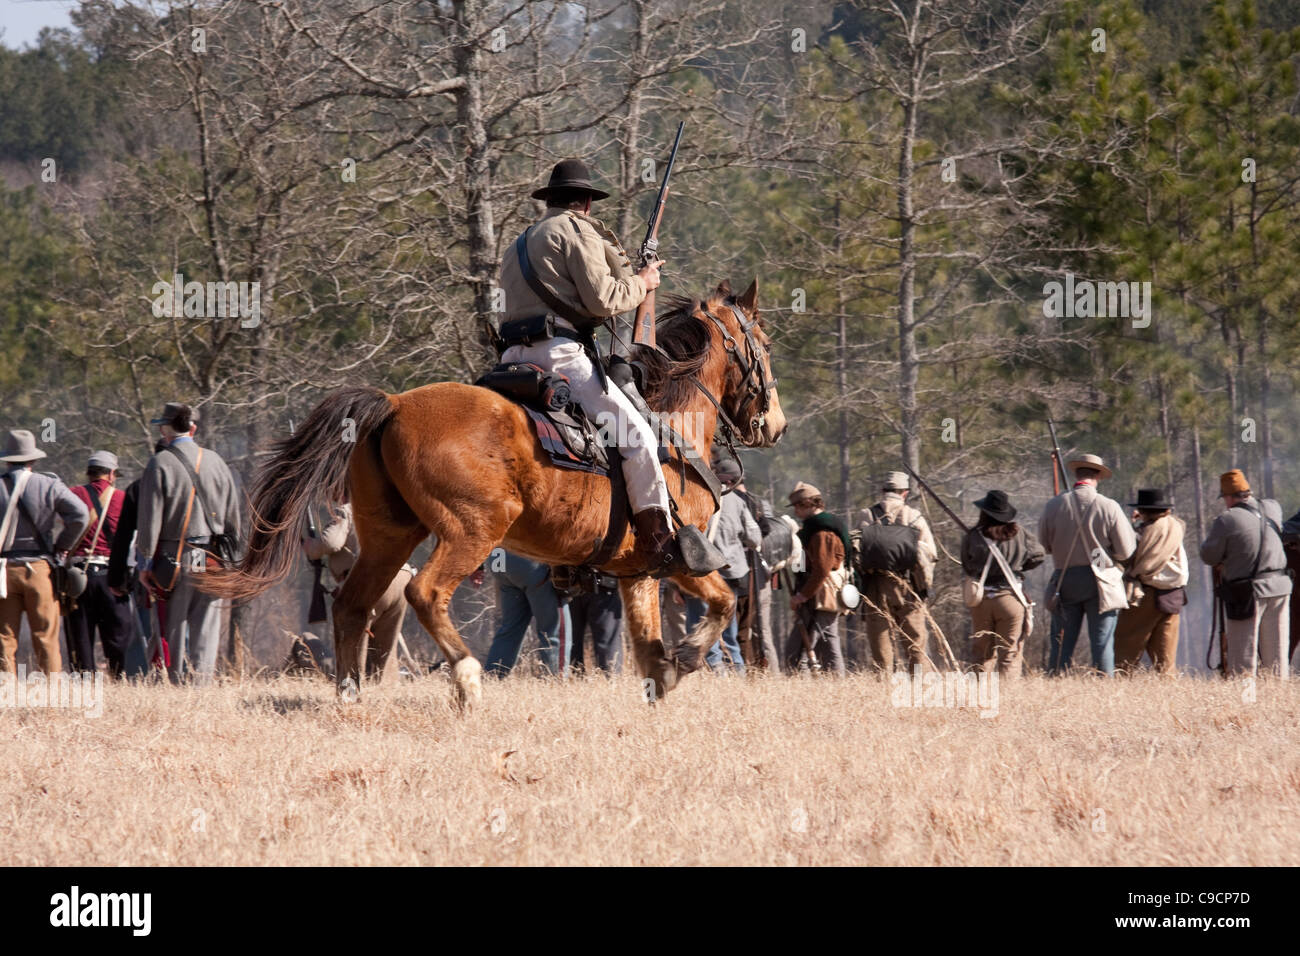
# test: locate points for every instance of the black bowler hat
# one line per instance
(570, 174)
(997, 506)
(1151, 499)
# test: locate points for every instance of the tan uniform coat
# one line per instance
(580, 261)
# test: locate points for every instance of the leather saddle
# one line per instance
(567, 434)
(571, 440)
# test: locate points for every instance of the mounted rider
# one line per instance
(580, 277)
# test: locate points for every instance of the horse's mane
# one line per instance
(681, 334)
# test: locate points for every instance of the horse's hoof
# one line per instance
(467, 677)
(349, 692)
(686, 659)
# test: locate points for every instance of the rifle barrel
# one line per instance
(1060, 460)
(652, 227)
(925, 487)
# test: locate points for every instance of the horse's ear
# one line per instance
(724, 289)
(749, 298)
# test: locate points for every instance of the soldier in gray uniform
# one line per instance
(29, 502)
(1245, 544)
(176, 521)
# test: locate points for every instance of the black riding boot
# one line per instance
(666, 554)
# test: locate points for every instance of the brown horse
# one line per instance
(463, 464)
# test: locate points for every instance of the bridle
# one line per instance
(753, 379)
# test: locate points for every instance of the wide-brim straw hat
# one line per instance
(1089, 461)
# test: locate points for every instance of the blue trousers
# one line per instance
(1067, 622)
(525, 593)
(695, 610)
(602, 611)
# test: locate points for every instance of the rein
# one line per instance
(753, 377)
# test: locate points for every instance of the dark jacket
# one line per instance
(123, 535)
(1022, 553)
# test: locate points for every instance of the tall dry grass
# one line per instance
(726, 771)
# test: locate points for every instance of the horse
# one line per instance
(463, 463)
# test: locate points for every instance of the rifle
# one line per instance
(1058, 463)
(1217, 626)
(939, 501)
(316, 610)
(643, 326)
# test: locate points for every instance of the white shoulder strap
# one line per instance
(8, 528)
(1012, 581)
(987, 561)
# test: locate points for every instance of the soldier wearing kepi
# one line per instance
(29, 503)
(177, 521)
(574, 273)
(98, 608)
(896, 554)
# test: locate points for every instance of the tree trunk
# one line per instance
(478, 169)
(1165, 432)
(908, 362)
(842, 370)
(1265, 435)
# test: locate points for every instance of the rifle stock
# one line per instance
(643, 326)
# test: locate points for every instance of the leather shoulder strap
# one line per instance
(193, 472)
(552, 301)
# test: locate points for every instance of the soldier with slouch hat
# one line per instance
(1001, 619)
(1159, 568)
(177, 520)
(571, 271)
(30, 502)
(1085, 533)
(1245, 545)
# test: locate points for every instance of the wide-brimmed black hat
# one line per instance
(176, 414)
(1151, 499)
(997, 506)
(570, 174)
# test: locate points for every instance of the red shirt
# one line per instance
(104, 547)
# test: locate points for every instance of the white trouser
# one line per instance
(611, 410)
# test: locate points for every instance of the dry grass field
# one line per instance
(726, 771)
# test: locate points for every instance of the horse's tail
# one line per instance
(309, 466)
